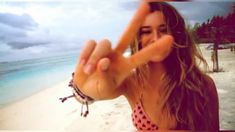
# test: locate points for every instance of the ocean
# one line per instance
(21, 79)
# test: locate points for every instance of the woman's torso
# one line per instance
(143, 102)
(149, 98)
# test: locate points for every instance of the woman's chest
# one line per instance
(150, 103)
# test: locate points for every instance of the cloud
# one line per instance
(52, 27)
(23, 21)
(198, 11)
(18, 31)
(7, 32)
(195, 10)
(39, 28)
(129, 5)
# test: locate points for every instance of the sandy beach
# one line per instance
(44, 111)
(225, 83)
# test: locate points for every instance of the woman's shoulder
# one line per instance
(211, 85)
(213, 102)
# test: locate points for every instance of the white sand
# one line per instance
(44, 111)
(225, 83)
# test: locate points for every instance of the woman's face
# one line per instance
(153, 28)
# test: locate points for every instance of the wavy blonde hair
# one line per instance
(184, 96)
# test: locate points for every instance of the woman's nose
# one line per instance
(155, 36)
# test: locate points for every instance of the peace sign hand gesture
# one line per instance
(102, 70)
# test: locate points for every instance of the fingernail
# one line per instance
(82, 62)
(104, 67)
(88, 69)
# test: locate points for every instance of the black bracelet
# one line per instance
(79, 96)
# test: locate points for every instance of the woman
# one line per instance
(161, 80)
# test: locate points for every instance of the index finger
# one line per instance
(159, 49)
(133, 27)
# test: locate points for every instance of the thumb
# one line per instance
(103, 64)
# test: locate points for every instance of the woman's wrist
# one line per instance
(79, 96)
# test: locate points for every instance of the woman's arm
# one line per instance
(101, 70)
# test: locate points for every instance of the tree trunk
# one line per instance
(215, 57)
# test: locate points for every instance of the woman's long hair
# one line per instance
(184, 96)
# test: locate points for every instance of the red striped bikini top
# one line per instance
(141, 120)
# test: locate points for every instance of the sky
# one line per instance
(40, 28)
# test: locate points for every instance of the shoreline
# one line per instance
(44, 111)
(32, 94)
(22, 114)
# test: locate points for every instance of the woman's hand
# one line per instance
(101, 70)
(92, 54)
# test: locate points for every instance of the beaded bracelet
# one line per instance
(79, 96)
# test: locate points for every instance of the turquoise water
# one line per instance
(20, 79)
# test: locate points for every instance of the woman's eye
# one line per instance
(146, 32)
(162, 30)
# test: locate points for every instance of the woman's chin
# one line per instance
(154, 62)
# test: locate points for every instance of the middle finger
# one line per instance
(101, 50)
